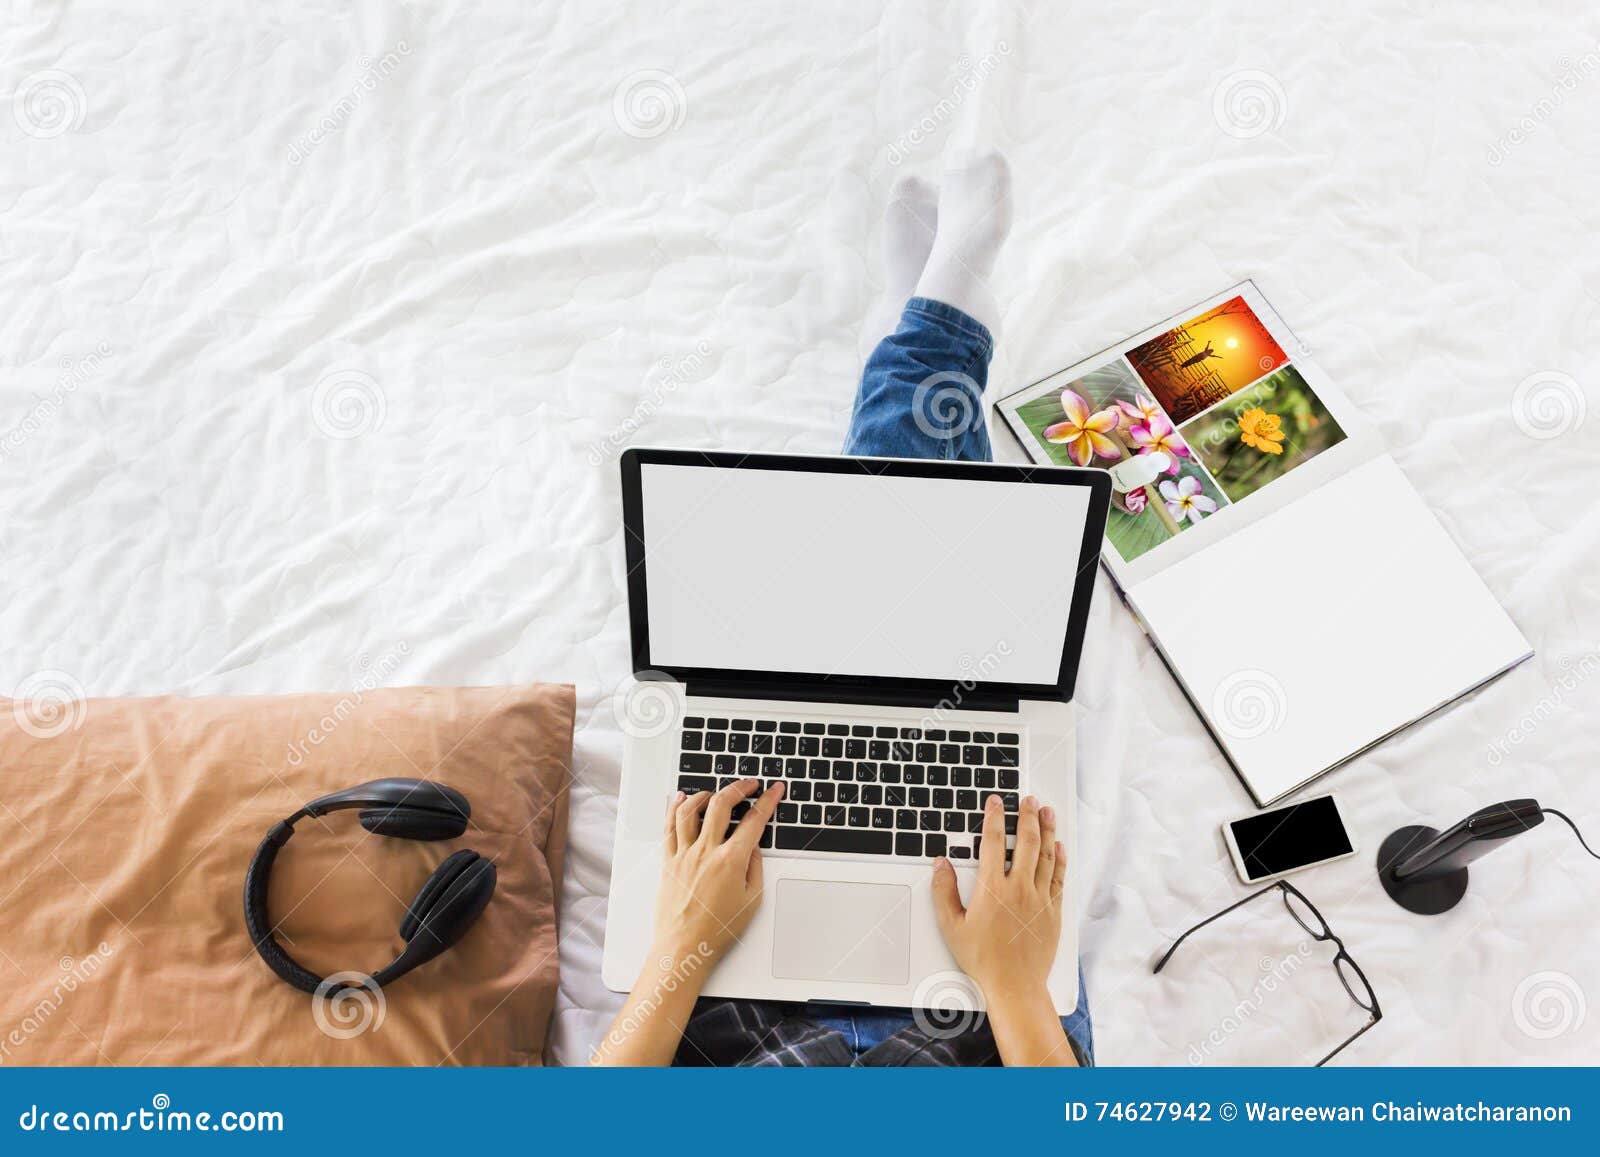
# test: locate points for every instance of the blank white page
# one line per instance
(1325, 626)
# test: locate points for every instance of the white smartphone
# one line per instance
(1300, 835)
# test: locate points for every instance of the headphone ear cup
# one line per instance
(409, 823)
(450, 901)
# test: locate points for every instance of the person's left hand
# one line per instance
(710, 881)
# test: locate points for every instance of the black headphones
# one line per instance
(408, 809)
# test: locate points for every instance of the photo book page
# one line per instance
(1218, 394)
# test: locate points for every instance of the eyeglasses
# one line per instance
(1306, 915)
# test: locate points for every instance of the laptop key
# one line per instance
(889, 772)
(846, 793)
(878, 749)
(938, 776)
(887, 732)
(855, 748)
(726, 764)
(838, 729)
(967, 801)
(799, 791)
(933, 733)
(911, 733)
(907, 844)
(833, 816)
(871, 793)
(961, 777)
(860, 817)
(692, 740)
(761, 744)
(742, 725)
(972, 754)
(693, 721)
(833, 748)
(822, 792)
(738, 741)
(771, 765)
(794, 768)
(933, 845)
(930, 821)
(850, 840)
(785, 745)
(943, 798)
(975, 822)
(866, 773)
(860, 729)
(949, 753)
(984, 777)
(959, 853)
(716, 741)
(843, 769)
(919, 796)
(1003, 756)
(1010, 737)
(810, 813)
(790, 727)
(882, 818)
(767, 836)
(955, 822)
(717, 723)
(819, 769)
(810, 745)
(691, 763)
(1010, 778)
(812, 728)
(788, 813)
(766, 725)
(690, 784)
(927, 752)
(915, 773)
(902, 751)
(905, 819)
(749, 766)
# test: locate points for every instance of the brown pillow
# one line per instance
(126, 826)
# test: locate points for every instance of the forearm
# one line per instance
(1027, 1031)
(650, 1026)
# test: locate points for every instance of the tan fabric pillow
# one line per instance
(126, 826)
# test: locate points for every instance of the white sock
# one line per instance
(974, 218)
(909, 224)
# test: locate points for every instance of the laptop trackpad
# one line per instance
(827, 930)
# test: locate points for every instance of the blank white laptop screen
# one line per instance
(857, 574)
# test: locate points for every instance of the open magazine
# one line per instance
(1274, 498)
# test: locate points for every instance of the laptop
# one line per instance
(1301, 592)
(894, 640)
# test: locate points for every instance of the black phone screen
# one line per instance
(1290, 837)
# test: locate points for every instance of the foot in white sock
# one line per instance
(974, 218)
(909, 224)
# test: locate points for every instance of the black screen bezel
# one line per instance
(1096, 481)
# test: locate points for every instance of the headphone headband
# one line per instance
(451, 900)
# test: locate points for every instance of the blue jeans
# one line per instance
(921, 396)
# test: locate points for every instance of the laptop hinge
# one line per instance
(954, 698)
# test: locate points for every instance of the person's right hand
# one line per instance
(710, 881)
(1005, 938)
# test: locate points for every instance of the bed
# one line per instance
(325, 327)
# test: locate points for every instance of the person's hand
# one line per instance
(1005, 938)
(710, 881)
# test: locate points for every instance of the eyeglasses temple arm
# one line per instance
(1162, 963)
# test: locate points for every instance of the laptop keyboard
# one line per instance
(873, 789)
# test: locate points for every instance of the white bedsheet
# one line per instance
(321, 327)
